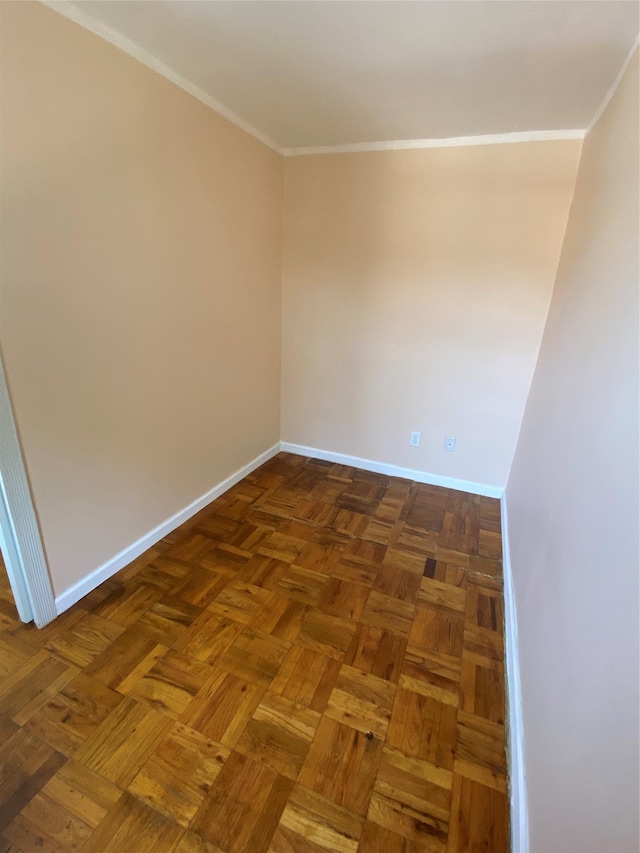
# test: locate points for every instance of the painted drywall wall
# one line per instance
(140, 301)
(415, 289)
(573, 508)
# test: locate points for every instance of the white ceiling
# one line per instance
(324, 73)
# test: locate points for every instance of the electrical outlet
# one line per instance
(449, 443)
(414, 439)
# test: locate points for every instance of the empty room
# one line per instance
(319, 426)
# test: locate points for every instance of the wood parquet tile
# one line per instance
(313, 663)
(311, 823)
(342, 765)
(279, 734)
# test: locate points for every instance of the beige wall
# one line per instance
(415, 289)
(573, 508)
(140, 302)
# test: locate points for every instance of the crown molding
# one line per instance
(103, 31)
(451, 142)
(614, 87)
(68, 10)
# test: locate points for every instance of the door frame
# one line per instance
(20, 537)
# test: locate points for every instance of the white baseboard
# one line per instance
(515, 735)
(89, 582)
(395, 470)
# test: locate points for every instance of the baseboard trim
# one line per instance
(89, 582)
(102, 573)
(395, 470)
(515, 734)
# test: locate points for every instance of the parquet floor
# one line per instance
(314, 663)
